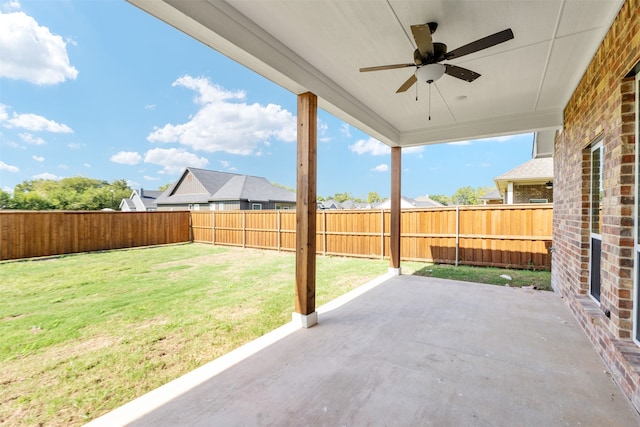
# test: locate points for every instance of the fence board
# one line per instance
(508, 236)
(27, 234)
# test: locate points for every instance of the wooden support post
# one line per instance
(306, 210)
(394, 241)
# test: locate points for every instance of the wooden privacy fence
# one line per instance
(517, 236)
(26, 234)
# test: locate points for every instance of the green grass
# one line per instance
(490, 275)
(83, 334)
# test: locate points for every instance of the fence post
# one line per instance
(382, 235)
(278, 221)
(213, 227)
(457, 232)
(324, 232)
(244, 229)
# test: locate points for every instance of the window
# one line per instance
(596, 188)
(595, 217)
(538, 200)
(256, 206)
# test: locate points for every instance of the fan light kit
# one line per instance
(428, 55)
(430, 73)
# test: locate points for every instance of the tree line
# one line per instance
(81, 193)
(462, 196)
(76, 193)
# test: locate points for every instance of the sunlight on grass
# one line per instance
(84, 334)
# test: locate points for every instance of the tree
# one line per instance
(342, 197)
(6, 201)
(465, 196)
(75, 193)
(374, 197)
(164, 187)
(441, 198)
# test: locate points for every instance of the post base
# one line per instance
(305, 320)
(395, 271)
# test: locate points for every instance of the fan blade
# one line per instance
(480, 44)
(460, 73)
(422, 36)
(386, 67)
(406, 85)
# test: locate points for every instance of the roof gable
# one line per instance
(203, 186)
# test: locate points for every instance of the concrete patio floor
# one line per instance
(407, 351)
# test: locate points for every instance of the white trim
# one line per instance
(595, 145)
(635, 316)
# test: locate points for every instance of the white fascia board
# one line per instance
(229, 32)
(499, 126)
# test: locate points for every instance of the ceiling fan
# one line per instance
(428, 55)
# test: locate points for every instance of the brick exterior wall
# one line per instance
(602, 106)
(523, 193)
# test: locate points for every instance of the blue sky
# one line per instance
(101, 89)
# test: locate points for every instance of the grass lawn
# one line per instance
(83, 334)
(489, 275)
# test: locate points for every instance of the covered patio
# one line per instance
(408, 350)
(403, 350)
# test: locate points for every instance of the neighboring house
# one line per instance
(201, 189)
(532, 181)
(140, 201)
(426, 202)
(492, 198)
(407, 203)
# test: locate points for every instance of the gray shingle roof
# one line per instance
(227, 186)
(540, 168)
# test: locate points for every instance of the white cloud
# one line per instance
(376, 148)
(7, 190)
(126, 158)
(8, 168)
(14, 144)
(224, 125)
(31, 122)
(62, 166)
(86, 165)
(322, 132)
(346, 130)
(150, 107)
(151, 178)
(30, 139)
(459, 143)
(174, 160)
(10, 5)
(381, 168)
(31, 52)
(227, 165)
(371, 146)
(38, 158)
(47, 176)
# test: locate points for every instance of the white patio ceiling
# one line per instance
(319, 46)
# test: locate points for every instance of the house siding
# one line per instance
(602, 106)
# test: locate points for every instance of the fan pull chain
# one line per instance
(429, 101)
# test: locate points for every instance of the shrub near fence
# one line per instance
(516, 236)
(26, 234)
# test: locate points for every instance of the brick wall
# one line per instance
(523, 193)
(601, 107)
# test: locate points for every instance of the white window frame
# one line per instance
(256, 206)
(636, 254)
(595, 145)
